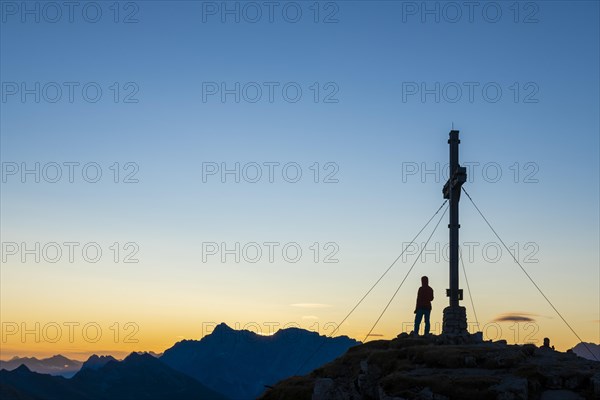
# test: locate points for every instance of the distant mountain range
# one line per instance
(583, 350)
(55, 365)
(227, 364)
(137, 377)
(240, 363)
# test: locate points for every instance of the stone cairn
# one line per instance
(454, 327)
(455, 321)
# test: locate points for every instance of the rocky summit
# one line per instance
(436, 368)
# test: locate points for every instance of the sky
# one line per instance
(167, 166)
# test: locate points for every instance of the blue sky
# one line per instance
(370, 57)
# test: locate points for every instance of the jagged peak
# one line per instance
(138, 356)
(16, 358)
(58, 357)
(222, 328)
(22, 369)
(96, 357)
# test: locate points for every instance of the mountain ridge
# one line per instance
(583, 350)
(57, 365)
(240, 363)
(227, 363)
(137, 377)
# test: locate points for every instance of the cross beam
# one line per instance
(451, 191)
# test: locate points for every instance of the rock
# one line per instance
(367, 381)
(364, 366)
(470, 361)
(425, 394)
(439, 368)
(512, 388)
(477, 337)
(573, 382)
(528, 349)
(560, 395)
(554, 382)
(596, 384)
(325, 389)
(384, 396)
(454, 321)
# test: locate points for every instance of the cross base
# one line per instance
(455, 321)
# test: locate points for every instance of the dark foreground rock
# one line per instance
(434, 369)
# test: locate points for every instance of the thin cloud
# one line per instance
(310, 305)
(516, 317)
(310, 317)
(375, 334)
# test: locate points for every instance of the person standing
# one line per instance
(423, 308)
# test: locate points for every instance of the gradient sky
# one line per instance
(372, 52)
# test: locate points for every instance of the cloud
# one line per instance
(375, 334)
(310, 305)
(310, 317)
(516, 317)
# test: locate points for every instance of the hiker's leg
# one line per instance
(427, 326)
(418, 317)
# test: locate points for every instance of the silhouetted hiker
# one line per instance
(423, 308)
